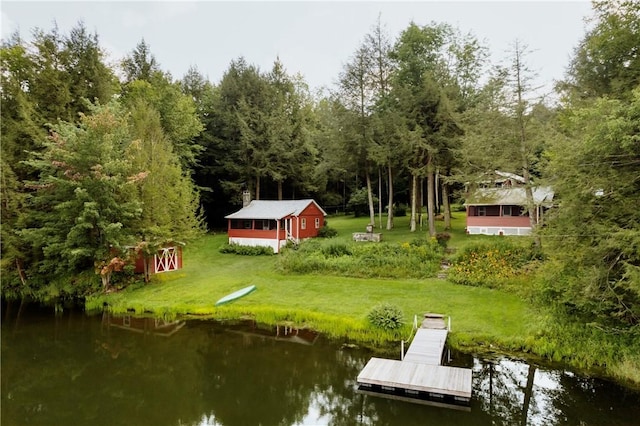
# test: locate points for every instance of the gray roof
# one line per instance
(510, 176)
(272, 209)
(542, 195)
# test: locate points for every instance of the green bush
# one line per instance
(400, 210)
(492, 264)
(246, 250)
(386, 316)
(443, 238)
(336, 250)
(359, 202)
(327, 232)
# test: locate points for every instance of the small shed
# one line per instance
(167, 258)
(272, 223)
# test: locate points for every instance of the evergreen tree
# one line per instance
(594, 233)
(607, 60)
(168, 197)
(357, 130)
(140, 64)
(84, 204)
(89, 78)
(427, 115)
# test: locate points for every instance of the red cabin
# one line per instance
(499, 208)
(272, 223)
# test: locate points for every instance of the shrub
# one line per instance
(386, 316)
(491, 264)
(359, 202)
(246, 250)
(400, 210)
(336, 250)
(327, 232)
(443, 238)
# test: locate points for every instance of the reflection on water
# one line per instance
(93, 370)
(156, 326)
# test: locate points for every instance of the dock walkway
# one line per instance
(420, 376)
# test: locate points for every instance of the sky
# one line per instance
(312, 38)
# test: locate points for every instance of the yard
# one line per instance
(331, 304)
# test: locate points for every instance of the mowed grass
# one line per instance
(332, 304)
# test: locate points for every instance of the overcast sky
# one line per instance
(314, 39)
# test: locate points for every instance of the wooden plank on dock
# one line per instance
(417, 377)
(433, 321)
(427, 346)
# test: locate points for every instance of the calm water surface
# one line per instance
(77, 369)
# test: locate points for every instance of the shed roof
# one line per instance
(273, 209)
(542, 195)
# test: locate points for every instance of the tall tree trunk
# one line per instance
(446, 205)
(146, 261)
(431, 200)
(520, 112)
(372, 209)
(414, 196)
(390, 206)
(257, 187)
(531, 206)
(21, 274)
(106, 278)
(379, 197)
(280, 190)
(436, 188)
(420, 202)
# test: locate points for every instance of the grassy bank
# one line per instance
(483, 319)
(334, 305)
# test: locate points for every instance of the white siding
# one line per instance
(264, 242)
(497, 230)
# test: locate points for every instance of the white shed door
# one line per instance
(166, 259)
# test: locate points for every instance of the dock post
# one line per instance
(449, 326)
(401, 350)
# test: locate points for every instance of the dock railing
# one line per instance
(413, 332)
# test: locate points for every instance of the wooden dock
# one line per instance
(420, 376)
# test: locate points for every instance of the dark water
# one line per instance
(75, 369)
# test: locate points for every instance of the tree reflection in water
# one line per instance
(92, 370)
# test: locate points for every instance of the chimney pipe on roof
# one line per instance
(246, 198)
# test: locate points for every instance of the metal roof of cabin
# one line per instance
(273, 209)
(513, 176)
(509, 196)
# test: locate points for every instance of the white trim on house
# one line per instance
(258, 242)
(499, 230)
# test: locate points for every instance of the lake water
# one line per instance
(71, 368)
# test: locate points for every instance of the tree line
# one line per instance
(97, 159)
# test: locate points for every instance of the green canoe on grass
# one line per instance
(236, 295)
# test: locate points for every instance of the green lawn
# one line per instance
(336, 305)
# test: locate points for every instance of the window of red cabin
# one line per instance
(267, 224)
(317, 222)
(303, 224)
